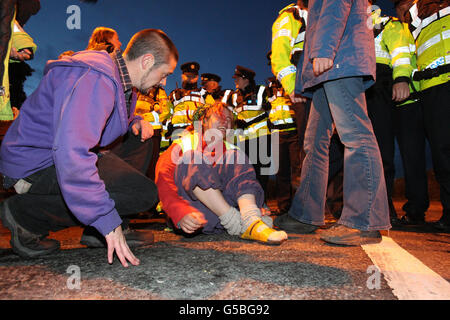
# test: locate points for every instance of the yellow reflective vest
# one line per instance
(185, 103)
(432, 40)
(19, 40)
(250, 113)
(392, 45)
(288, 35)
(154, 107)
(281, 116)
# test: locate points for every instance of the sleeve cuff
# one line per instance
(107, 223)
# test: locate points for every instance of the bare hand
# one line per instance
(144, 127)
(116, 242)
(20, 56)
(400, 91)
(296, 98)
(192, 222)
(320, 65)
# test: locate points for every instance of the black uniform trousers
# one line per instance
(380, 107)
(436, 111)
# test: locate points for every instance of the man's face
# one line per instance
(221, 121)
(189, 77)
(156, 76)
(240, 83)
(211, 85)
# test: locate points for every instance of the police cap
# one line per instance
(210, 77)
(190, 67)
(244, 73)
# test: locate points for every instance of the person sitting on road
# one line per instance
(202, 179)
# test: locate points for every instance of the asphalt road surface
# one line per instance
(223, 267)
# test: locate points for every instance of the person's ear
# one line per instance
(147, 61)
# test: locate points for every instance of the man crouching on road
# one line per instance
(51, 153)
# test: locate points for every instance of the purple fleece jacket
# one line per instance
(79, 104)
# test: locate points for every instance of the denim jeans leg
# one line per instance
(308, 204)
(365, 196)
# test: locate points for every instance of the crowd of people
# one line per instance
(100, 139)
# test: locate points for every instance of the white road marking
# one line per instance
(408, 277)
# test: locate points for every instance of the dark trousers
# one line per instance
(258, 150)
(436, 112)
(43, 209)
(289, 171)
(156, 147)
(380, 108)
(410, 133)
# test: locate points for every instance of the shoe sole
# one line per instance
(357, 241)
(17, 247)
(306, 230)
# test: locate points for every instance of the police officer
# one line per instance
(212, 91)
(250, 106)
(154, 107)
(394, 69)
(282, 123)
(186, 99)
(429, 23)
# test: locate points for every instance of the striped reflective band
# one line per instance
(285, 121)
(286, 71)
(300, 37)
(401, 61)
(280, 108)
(183, 113)
(177, 125)
(260, 95)
(432, 41)
(189, 98)
(225, 96)
(255, 127)
(420, 24)
(282, 33)
(282, 22)
(399, 50)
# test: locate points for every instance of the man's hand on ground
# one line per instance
(116, 242)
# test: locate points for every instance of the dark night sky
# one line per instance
(217, 34)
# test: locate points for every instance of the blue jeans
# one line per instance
(343, 102)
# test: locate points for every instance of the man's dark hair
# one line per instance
(152, 41)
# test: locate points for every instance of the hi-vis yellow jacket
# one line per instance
(288, 35)
(392, 45)
(281, 116)
(250, 112)
(432, 40)
(154, 107)
(19, 40)
(185, 103)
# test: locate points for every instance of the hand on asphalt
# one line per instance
(116, 242)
